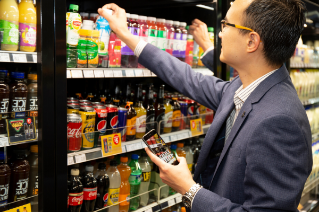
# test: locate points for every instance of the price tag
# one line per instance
(147, 73)
(143, 145)
(68, 74)
(129, 73)
(76, 74)
(154, 75)
(4, 57)
(166, 139)
(88, 73)
(173, 138)
(35, 58)
(123, 149)
(189, 133)
(99, 73)
(178, 199)
(139, 73)
(149, 210)
(171, 202)
(133, 147)
(80, 158)
(70, 160)
(108, 73)
(117, 73)
(21, 58)
(180, 136)
(4, 141)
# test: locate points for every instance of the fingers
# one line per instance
(104, 14)
(198, 22)
(111, 6)
(181, 160)
(154, 158)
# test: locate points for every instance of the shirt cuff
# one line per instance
(208, 50)
(194, 197)
(139, 48)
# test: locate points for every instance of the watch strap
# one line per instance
(190, 195)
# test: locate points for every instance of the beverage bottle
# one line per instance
(114, 51)
(93, 40)
(183, 41)
(140, 114)
(125, 50)
(152, 31)
(135, 30)
(34, 177)
(131, 122)
(160, 109)
(5, 173)
(127, 95)
(9, 25)
(189, 155)
(161, 42)
(180, 150)
(108, 161)
(90, 97)
(125, 188)
(4, 93)
(196, 147)
(19, 182)
(82, 57)
(146, 177)
(170, 36)
(189, 50)
(18, 93)
(143, 31)
(150, 110)
(195, 55)
(73, 22)
(177, 39)
(135, 181)
(75, 192)
(183, 209)
(32, 100)
(115, 183)
(103, 184)
(200, 49)
(27, 26)
(103, 26)
(168, 121)
(176, 114)
(89, 189)
(116, 102)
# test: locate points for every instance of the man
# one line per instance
(257, 153)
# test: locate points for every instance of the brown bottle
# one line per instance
(19, 182)
(32, 101)
(34, 178)
(5, 173)
(131, 122)
(18, 93)
(90, 97)
(160, 109)
(176, 114)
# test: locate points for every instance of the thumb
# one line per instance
(181, 160)
(106, 14)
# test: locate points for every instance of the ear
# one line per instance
(253, 42)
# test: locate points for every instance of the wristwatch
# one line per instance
(189, 196)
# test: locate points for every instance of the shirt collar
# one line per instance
(241, 94)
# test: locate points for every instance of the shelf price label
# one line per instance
(111, 144)
(196, 127)
(20, 58)
(70, 160)
(147, 73)
(99, 73)
(133, 147)
(35, 58)
(166, 139)
(88, 73)
(108, 73)
(68, 74)
(4, 142)
(173, 138)
(80, 158)
(129, 73)
(171, 202)
(139, 73)
(149, 210)
(76, 74)
(4, 57)
(117, 73)
(26, 207)
(178, 199)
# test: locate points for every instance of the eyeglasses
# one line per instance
(224, 23)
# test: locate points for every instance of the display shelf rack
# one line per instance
(130, 146)
(162, 204)
(18, 57)
(76, 73)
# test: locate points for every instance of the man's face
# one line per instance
(234, 44)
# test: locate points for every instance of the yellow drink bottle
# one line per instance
(168, 120)
(141, 114)
(9, 25)
(27, 26)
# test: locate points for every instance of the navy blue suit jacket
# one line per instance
(265, 162)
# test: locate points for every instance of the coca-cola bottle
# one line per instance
(75, 192)
(103, 184)
(89, 189)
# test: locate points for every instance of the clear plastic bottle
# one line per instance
(146, 177)
(135, 181)
(115, 183)
(189, 155)
(141, 114)
(125, 188)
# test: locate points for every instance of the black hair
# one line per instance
(279, 24)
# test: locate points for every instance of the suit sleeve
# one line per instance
(207, 90)
(278, 162)
(208, 60)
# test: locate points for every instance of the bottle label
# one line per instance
(176, 44)
(88, 126)
(152, 36)
(135, 179)
(161, 40)
(131, 126)
(176, 118)
(135, 31)
(18, 104)
(144, 34)
(89, 193)
(150, 122)
(141, 124)
(170, 42)
(105, 199)
(124, 199)
(125, 50)
(113, 196)
(146, 176)
(4, 190)
(4, 105)
(28, 35)
(103, 26)
(183, 43)
(36, 186)
(168, 119)
(22, 187)
(74, 25)
(33, 102)
(75, 199)
(10, 32)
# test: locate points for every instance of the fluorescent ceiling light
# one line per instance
(205, 7)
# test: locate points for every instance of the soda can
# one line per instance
(97, 104)
(73, 108)
(122, 116)
(86, 108)
(74, 132)
(88, 126)
(112, 119)
(192, 107)
(100, 124)
(184, 114)
(209, 116)
(84, 101)
(72, 99)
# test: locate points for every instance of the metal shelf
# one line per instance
(18, 57)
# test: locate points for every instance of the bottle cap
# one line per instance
(88, 24)
(174, 98)
(176, 23)
(124, 159)
(151, 19)
(17, 75)
(160, 20)
(134, 156)
(75, 172)
(102, 166)
(108, 11)
(93, 15)
(143, 18)
(183, 24)
(74, 7)
(128, 15)
(169, 22)
(113, 163)
(183, 209)
(131, 103)
(33, 77)
(89, 168)
(84, 14)
(34, 148)
(134, 16)
(180, 145)
(210, 29)
(173, 147)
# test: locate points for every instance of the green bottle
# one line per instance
(135, 182)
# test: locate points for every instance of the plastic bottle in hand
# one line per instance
(125, 188)
(115, 183)
(189, 155)
(135, 181)
(103, 184)
(146, 177)
(89, 190)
